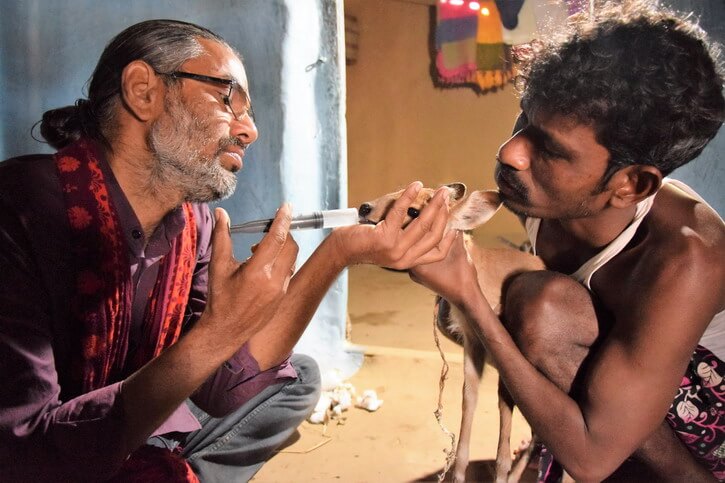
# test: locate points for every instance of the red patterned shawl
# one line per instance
(104, 292)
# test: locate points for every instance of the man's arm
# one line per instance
(242, 298)
(634, 374)
(239, 378)
(35, 425)
(93, 433)
(386, 244)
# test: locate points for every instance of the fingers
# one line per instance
(221, 240)
(441, 251)
(449, 276)
(430, 218)
(399, 210)
(273, 242)
(277, 251)
(284, 265)
(425, 232)
(288, 256)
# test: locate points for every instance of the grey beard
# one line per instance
(176, 141)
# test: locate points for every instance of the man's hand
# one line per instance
(453, 278)
(391, 245)
(244, 296)
(242, 299)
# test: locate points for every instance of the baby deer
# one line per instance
(494, 266)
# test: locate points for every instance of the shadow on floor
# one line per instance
(481, 471)
(294, 437)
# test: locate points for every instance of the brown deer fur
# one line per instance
(495, 266)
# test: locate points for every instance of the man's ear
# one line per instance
(142, 90)
(632, 184)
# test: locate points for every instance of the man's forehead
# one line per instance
(221, 61)
(550, 120)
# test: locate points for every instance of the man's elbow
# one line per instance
(593, 470)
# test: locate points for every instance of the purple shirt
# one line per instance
(43, 430)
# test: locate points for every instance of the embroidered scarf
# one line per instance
(103, 292)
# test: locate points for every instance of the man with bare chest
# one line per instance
(615, 353)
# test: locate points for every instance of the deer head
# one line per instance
(467, 212)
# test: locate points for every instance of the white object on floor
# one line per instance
(369, 401)
(333, 403)
(319, 414)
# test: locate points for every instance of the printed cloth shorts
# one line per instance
(697, 416)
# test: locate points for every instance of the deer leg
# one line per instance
(474, 358)
(503, 451)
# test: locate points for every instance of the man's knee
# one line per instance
(549, 315)
(308, 384)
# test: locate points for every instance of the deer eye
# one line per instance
(413, 213)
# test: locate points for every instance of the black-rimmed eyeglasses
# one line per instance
(244, 107)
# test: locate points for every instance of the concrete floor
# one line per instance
(401, 442)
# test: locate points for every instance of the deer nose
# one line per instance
(365, 209)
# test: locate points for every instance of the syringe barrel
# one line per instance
(342, 217)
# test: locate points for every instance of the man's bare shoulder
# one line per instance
(680, 224)
(678, 252)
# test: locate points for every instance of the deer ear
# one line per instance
(475, 210)
(458, 191)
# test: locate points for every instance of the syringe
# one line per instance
(316, 219)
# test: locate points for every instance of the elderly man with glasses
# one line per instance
(133, 346)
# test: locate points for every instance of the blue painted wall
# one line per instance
(48, 49)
